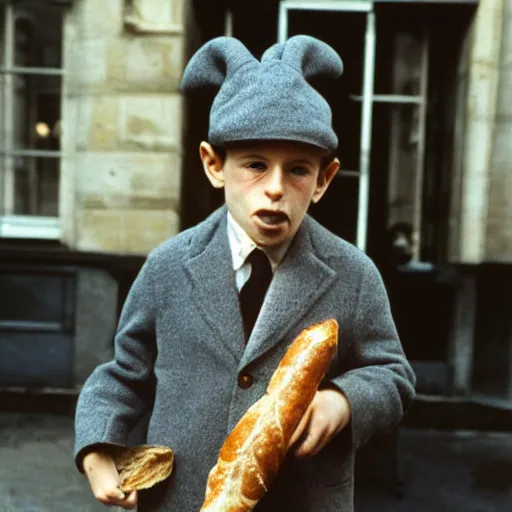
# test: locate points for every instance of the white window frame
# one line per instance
(368, 98)
(363, 173)
(11, 224)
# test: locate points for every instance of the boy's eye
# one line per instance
(257, 166)
(299, 170)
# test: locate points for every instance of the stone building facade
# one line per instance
(67, 254)
(122, 151)
(128, 175)
(481, 208)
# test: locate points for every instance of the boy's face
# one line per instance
(269, 186)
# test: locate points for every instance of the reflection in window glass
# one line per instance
(38, 35)
(36, 182)
(30, 108)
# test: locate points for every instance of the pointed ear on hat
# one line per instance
(214, 62)
(308, 55)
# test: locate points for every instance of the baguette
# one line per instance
(254, 450)
(141, 467)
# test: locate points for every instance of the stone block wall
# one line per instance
(480, 79)
(499, 212)
(122, 124)
(95, 322)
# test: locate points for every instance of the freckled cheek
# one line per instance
(236, 186)
(248, 192)
(239, 196)
(302, 194)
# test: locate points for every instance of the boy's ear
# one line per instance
(325, 176)
(213, 164)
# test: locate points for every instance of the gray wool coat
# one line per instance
(180, 349)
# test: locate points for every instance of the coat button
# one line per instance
(245, 380)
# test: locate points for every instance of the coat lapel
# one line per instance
(298, 283)
(211, 272)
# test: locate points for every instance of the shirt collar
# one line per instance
(242, 245)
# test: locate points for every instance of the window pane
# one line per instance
(36, 112)
(399, 51)
(395, 153)
(2, 78)
(37, 35)
(345, 32)
(30, 108)
(31, 186)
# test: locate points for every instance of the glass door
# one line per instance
(387, 86)
(349, 27)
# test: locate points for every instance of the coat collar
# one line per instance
(298, 283)
(210, 269)
(300, 280)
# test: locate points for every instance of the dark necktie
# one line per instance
(253, 291)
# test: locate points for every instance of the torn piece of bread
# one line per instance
(141, 467)
(255, 449)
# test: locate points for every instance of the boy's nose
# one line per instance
(274, 186)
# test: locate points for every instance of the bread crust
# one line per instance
(141, 467)
(255, 449)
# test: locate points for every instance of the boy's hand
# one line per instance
(328, 414)
(104, 480)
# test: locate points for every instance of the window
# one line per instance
(30, 119)
(397, 130)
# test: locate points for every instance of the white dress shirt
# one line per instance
(242, 245)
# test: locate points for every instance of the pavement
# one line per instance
(443, 471)
(37, 473)
(455, 471)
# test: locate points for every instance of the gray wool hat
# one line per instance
(267, 100)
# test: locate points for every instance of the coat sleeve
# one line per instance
(118, 393)
(379, 384)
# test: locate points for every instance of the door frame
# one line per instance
(363, 173)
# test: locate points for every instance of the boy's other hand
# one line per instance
(328, 414)
(104, 480)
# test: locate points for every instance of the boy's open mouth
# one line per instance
(272, 218)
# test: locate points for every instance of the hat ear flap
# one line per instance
(309, 55)
(214, 62)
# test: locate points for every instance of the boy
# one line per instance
(192, 345)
